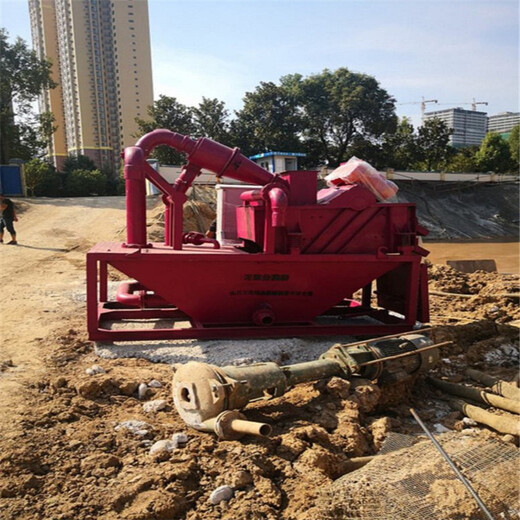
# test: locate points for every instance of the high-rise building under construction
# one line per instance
(100, 51)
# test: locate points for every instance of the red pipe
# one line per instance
(135, 190)
(202, 153)
(277, 197)
(279, 203)
(250, 196)
(208, 154)
(160, 137)
(133, 294)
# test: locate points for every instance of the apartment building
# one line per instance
(469, 126)
(100, 51)
(504, 122)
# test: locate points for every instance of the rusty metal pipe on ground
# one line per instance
(208, 397)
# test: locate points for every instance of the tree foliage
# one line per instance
(84, 183)
(41, 179)
(463, 161)
(338, 107)
(268, 121)
(330, 116)
(23, 76)
(400, 149)
(494, 154)
(433, 140)
(77, 162)
(211, 119)
(514, 147)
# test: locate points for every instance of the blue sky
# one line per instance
(452, 51)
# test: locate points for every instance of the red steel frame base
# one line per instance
(100, 311)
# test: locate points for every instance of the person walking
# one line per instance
(8, 217)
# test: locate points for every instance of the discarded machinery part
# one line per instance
(476, 394)
(405, 354)
(203, 392)
(381, 358)
(498, 386)
(503, 423)
(452, 465)
(231, 425)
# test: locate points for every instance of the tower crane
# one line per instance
(473, 104)
(422, 103)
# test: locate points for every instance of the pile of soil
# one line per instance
(77, 441)
(473, 296)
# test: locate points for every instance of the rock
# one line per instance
(89, 389)
(142, 391)
(241, 479)
(110, 386)
(468, 422)
(59, 382)
(128, 387)
(154, 406)
(161, 450)
(379, 429)
(320, 458)
(368, 394)
(180, 439)
(155, 384)
(100, 460)
(95, 369)
(221, 494)
(139, 428)
(339, 387)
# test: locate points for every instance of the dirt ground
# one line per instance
(70, 443)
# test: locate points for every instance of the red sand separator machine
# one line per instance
(304, 253)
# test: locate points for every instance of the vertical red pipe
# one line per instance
(135, 190)
(167, 210)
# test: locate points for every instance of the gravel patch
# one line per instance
(284, 351)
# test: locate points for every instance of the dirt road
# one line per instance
(44, 281)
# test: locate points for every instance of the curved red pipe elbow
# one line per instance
(162, 136)
(133, 294)
(126, 296)
(279, 202)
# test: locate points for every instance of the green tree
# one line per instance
(22, 78)
(168, 113)
(41, 179)
(401, 148)
(268, 121)
(494, 154)
(339, 107)
(514, 147)
(433, 140)
(77, 162)
(210, 119)
(84, 183)
(464, 161)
